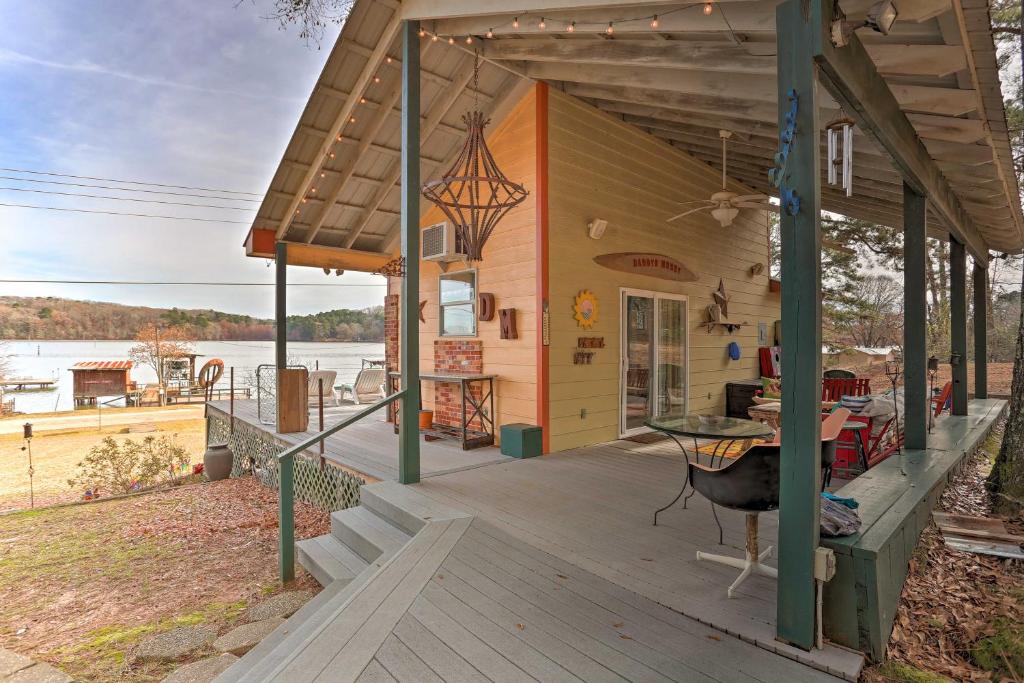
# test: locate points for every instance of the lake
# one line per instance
(51, 360)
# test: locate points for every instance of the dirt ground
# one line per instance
(81, 585)
(999, 375)
(56, 454)
(961, 615)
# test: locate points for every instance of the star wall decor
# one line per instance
(721, 298)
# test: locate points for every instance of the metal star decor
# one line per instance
(721, 298)
(474, 193)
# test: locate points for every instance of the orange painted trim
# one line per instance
(541, 199)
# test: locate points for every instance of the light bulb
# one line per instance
(654, 22)
(376, 79)
(423, 32)
(339, 138)
(362, 100)
(610, 30)
(469, 40)
(352, 119)
(304, 200)
(313, 190)
(322, 174)
(571, 28)
(490, 33)
(541, 25)
(434, 37)
(708, 8)
(451, 40)
(388, 59)
(515, 23)
(331, 155)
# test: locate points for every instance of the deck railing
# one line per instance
(286, 488)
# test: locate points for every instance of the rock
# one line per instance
(241, 639)
(203, 671)
(39, 673)
(174, 644)
(11, 662)
(282, 605)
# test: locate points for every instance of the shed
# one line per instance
(95, 378)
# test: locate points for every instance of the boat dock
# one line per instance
(22, 383)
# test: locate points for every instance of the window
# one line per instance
(458, 304)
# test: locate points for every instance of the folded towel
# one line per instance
(848, 502)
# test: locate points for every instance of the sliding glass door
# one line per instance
(653, 376)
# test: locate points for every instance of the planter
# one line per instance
(426, 419)
(217, 462)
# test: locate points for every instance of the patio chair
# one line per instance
(944, 400)
(368, 387)
(750, 483)
(831, 428)
(313, 387)
(838, 373)
(834, 388)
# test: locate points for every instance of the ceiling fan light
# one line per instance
(724, 215)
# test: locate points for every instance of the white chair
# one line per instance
(368, 387)
(313, 388)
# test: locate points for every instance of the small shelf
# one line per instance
(729, 327)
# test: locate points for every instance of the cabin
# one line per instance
(580, 279)
(95, 378)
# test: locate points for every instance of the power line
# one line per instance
(126, 199)
(126, 189)
(127, 182)
(176, 283)
(123, 213)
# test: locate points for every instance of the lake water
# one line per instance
(51, 360)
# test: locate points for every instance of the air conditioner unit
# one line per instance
(441, 242)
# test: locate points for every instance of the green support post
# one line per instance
(797, 35)
(958, 323)
(408, 431)
(281, 305)
(980, 331)
(915, 320)
(286, 518)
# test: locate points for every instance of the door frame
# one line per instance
(655, 295)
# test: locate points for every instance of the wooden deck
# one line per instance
(557, 573)
(370, 446)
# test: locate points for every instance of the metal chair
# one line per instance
(749, 483)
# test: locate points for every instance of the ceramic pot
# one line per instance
(217, 462)
(426, 419)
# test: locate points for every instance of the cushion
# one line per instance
(855, 404)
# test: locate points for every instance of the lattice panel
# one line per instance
(323, 486)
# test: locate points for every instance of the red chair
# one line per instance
(944, 401)
(834, 388)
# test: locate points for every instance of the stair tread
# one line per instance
(372, 529)
(321, 562)
(342, 553)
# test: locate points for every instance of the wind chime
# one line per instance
(839, 141)
(474, 193)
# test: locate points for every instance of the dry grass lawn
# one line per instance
(56, 454)
(80, 585)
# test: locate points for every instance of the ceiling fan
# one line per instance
(725, 205)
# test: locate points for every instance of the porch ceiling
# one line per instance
(682, 82)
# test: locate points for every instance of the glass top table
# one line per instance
(728, 429)
(710, 427)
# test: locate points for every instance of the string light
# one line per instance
(490, 33)
(708, 9)
(654, 22)
(571, 28)
(434, 38)
(362, 100)
(331, 155)
(451, 40)
(542, 25)
(352, 119)
(515, 23)
(610, 30)
(423, 32)
(469, 40)
(313, 190)
(322, 174)
(388, 59)
(339, 138)
(376, 79)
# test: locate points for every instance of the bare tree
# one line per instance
(311, 16)
(154, 345)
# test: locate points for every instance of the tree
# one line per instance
(312, 16)
(1007, 476)
(872, 315)
(155, 345)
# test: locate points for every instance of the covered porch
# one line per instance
(932, 156)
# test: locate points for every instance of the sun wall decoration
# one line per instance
(585, 309)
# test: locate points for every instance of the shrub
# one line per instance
(119, 468)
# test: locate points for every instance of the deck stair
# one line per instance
(363, 541)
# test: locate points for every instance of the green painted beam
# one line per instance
(286, 518)
(958, 323)
(915, 319)
(801, 331)
(409, 331)
(980, 331)
(851, 77)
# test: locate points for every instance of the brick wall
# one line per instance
(455, 355)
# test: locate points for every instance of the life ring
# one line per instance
(211, 371)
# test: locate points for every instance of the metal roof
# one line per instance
(337, 184)
(102, 365)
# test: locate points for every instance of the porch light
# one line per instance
(708, 9)
(725, 215)
(474, 193)
(880, 18)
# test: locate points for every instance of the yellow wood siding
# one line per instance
(508, 271)
(602, 168)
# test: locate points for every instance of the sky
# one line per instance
(200, 94)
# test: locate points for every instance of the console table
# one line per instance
(471, 407)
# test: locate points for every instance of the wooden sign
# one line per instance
(486, 307)
(507, 318)
(652, 265)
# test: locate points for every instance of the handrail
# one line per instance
(286, 483)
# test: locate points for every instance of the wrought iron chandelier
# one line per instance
(474, 193)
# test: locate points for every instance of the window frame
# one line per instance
(472, 301)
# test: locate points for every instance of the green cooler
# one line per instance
(521, 440)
